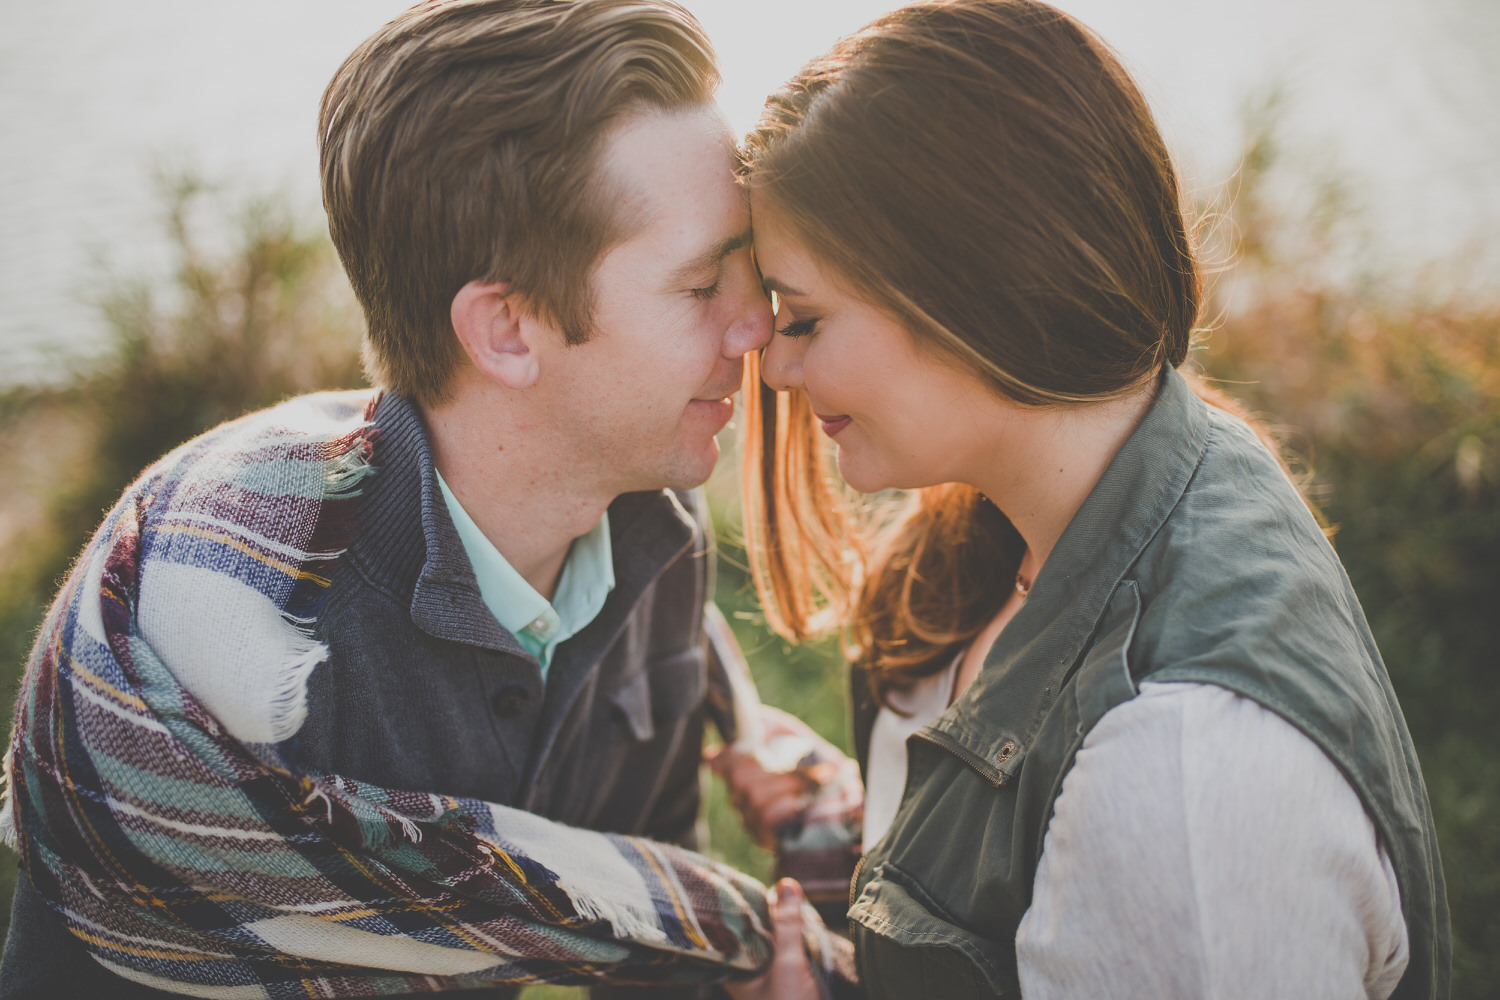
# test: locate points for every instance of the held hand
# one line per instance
(790, 976)
(764, 799)
(770, 793)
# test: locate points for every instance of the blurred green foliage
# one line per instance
(1389, 404)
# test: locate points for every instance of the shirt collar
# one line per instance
(587, 577)
(407, 548)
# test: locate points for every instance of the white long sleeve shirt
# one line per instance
(1200, 847)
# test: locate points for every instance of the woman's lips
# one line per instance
(832, 425)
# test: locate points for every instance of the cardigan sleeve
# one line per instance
(1201, 846)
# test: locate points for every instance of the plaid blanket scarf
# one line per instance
(158, 806)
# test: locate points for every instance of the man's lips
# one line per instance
(832, 425)
(719, 409)
(719, 397)
(725, 400)
(719, 393)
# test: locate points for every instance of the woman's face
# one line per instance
(903, 415)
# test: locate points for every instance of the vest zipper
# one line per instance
(983, 767)
(854, 879)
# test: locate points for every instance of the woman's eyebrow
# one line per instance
(779, 287)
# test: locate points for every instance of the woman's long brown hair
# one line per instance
(988, 173)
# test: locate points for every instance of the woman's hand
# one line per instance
(773, 787)
(790, 976)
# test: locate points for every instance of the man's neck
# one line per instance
(522, 494)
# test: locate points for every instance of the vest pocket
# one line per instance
(907, 947)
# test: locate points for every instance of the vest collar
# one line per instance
(993, 723)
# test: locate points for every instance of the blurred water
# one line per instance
(95, 94)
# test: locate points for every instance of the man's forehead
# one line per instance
(656, 161)
(695, 217)
(670, 182)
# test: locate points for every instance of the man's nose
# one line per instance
(751, 331)
(781, 364)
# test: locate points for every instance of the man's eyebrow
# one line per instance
(710, 258)
(780, 288)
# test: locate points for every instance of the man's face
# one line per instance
(677, 304)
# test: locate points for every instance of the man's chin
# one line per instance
(694, 466)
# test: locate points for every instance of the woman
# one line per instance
(1154, 749)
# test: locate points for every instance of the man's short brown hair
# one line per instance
(461, 142)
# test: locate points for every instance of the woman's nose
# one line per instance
(781, 364)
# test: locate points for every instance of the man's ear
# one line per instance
(492, 326)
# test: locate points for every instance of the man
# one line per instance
(535, 205)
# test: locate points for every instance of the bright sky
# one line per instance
(240, 82)
(93, 93)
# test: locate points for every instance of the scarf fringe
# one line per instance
(349, 466)
(8, 834)
(288, 707)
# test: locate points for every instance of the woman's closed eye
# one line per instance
(798, 328)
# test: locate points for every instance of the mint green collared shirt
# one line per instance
(588, 575)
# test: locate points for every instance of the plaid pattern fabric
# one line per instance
(157, 804)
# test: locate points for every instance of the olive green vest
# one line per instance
(1193, 559)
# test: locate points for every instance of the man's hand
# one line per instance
(790, 976)
(772, 787)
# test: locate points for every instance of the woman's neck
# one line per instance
(1053, 458)
(1052, 465)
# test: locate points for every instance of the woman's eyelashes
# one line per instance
(798, 328)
